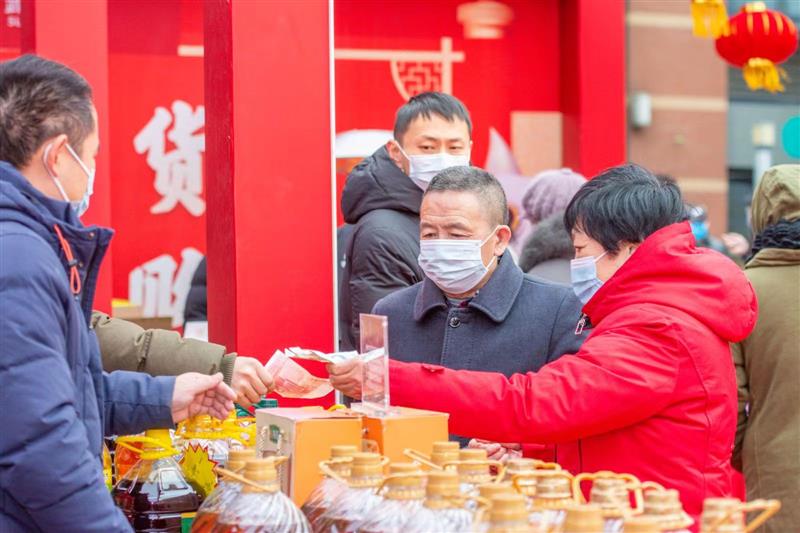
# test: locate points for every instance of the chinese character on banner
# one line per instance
(179, 172)
(12, 11)
(160, 287)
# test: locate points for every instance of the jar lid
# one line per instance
(472, 454)
(509, 508)
(490, 490)
(445, 446)
(343, 450)
(237, 458)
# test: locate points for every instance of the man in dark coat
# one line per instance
(475, 309)
(57, 403)
(381, 200)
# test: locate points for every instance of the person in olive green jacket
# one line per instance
(767, 446)
(159, 352)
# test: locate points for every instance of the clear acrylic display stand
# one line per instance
(374, 354)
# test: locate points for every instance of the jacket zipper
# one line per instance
(581, 324)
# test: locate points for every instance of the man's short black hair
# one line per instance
(427, 104)
(475, 180)
(40, 99)
(624, 204)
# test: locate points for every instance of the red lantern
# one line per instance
(759, 40)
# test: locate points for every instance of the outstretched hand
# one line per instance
(199, 394)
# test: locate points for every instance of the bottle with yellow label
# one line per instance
(204, 445)
(154, 492)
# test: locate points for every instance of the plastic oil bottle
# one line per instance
(360, 497)
(333, 484)
(204, 445)
(154, 492)
(402, 498)
(261, 507)
(227, 490)
(444, 509)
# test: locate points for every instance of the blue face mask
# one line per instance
(79, 206)
(583, 273)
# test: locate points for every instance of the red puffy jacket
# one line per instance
(652, 392)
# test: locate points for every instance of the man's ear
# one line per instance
(53, 151)
(395, 154)
(503, 238)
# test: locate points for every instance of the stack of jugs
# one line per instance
(664, 505)
(332, 485)
(358, 499)
(227, 491)
(444, 509)
(444, 452)
(553, 497)
(154, 492)
(728, 515)
(612, 493)
(403, 493)
(260, 506)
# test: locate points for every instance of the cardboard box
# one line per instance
(305, 435)
(408, 428)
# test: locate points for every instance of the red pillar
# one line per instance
(593, 84)
(76, 34)
(268, 168)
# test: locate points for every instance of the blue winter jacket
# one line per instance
(55, 400)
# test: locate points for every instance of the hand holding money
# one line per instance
(294, 381)
(346, 377)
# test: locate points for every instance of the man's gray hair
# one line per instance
(479, 182)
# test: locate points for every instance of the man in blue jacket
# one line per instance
(56, 400)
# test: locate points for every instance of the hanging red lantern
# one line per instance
(760, 39)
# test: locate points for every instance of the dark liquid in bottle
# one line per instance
(204, 522)
(156, 507)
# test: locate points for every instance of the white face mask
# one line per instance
(423, 168)
(583, 274)
(79, 206)
(454, 265)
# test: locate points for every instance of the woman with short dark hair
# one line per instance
(652, 392)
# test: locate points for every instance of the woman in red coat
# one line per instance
(652, 392)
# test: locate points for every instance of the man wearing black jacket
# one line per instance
(382, 197)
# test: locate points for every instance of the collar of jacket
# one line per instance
(770, 257)
(495, 299)
(23, 203)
